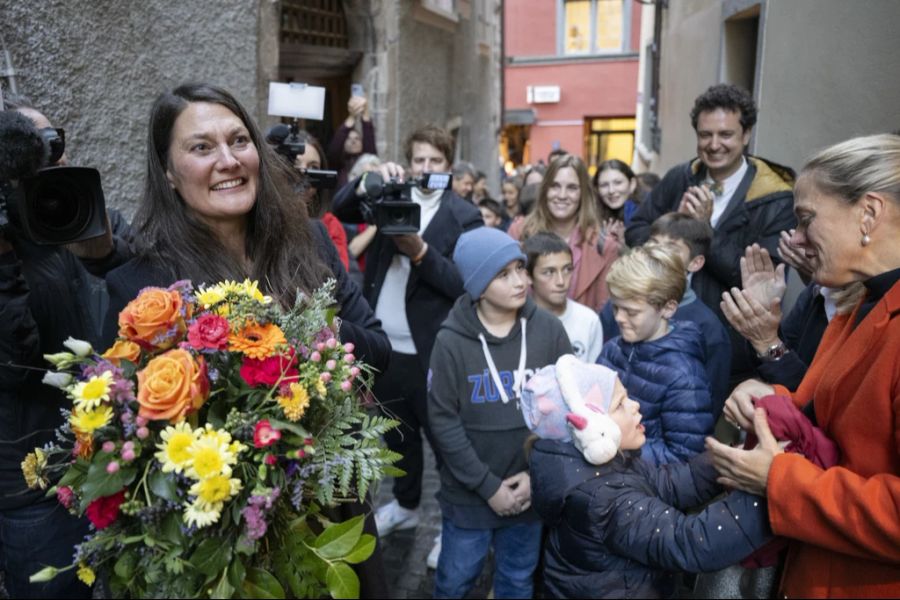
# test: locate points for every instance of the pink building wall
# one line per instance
(589, 87)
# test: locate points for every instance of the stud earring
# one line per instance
(866, 239)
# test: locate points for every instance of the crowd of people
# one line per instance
(600, 361)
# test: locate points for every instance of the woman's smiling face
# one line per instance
(213, 163)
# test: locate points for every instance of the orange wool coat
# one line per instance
(845, 521)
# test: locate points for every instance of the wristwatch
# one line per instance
(773, 353)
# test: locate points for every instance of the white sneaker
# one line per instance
(393, 517)
(435, 554)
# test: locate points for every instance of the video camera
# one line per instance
(49, 205)
(289, 142)
(389, 205)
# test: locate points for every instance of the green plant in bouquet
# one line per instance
(207, 443)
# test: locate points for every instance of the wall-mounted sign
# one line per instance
(543, 94)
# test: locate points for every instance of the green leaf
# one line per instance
(171, 529)
(100, 483)
(391, 471)
(124, 568)
(259, 583)
(163, 485)
(292, 427)
(75, 474)
(223, 588)
(362, 550)
(218, 413)
(211, 556)
(337, 540)
(236, 573)
(342, 581)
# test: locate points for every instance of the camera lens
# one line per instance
(64, 204)
(398, 216)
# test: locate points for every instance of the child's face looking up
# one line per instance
(639, 321)
(509, 288)
(626, 413)
(550, 279)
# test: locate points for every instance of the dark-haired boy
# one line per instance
(690, 238)
(550, 268)
(746, 199)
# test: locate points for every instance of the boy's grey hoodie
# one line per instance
(480, 436)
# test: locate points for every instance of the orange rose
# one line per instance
(172, 385)
(155, 320)
(123, 350)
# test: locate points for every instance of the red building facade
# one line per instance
(570, 78)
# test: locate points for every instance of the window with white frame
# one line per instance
(594, 26)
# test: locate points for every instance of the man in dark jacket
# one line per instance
(46, 296)
(745, 198)
(412, 283)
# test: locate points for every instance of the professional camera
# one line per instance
(389, 205)
(289, 142)
(49, 205)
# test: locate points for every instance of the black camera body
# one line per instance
(389, 206)
(289, 143)
(46, 204)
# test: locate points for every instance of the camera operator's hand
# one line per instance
(98, 247)
(387, 171)
(410, 244)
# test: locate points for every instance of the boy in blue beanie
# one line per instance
(493, 339)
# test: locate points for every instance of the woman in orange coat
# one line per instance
(844, 521)
(567, 207)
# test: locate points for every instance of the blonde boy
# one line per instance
(660, 361)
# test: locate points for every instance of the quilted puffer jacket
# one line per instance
(619, 530)
(668, 378)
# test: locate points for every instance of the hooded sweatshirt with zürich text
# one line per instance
(475, 382)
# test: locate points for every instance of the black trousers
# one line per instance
(403, 395)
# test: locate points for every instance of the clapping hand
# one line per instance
(697, 202)
(755, 310)
(611, 229)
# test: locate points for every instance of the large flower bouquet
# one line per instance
(206, 445)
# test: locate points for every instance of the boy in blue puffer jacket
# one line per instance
(661, 362)
(616, 524)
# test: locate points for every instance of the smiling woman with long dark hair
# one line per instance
(219, 204)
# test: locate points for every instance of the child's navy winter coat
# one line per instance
(668, 378)
(618, 530)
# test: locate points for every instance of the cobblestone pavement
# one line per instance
(405, 552)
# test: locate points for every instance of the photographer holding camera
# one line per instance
(412, 282)
(49, 213)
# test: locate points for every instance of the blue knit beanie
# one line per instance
(482, 253)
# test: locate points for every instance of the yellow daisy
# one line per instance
(215, 490)
(296, 404)
(202, 516)
(174, 450)
(91, 393)
(86, 574)
(89, 421)
(32, 468)
(210, 296)
(211, 454)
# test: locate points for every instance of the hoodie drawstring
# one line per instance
(520, 374)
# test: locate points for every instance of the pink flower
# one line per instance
(346, 386)
(112, 467)
(269, 370)
(104, 511)
(349, 347)
(65, 496)
(209, 331)
(142, 433)
(265, 435)
(271, 459)
(349, 358)
(109, 447)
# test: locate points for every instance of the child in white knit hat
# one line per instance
(616, 523)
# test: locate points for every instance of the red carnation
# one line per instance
(265, 435)
(209, 331)
(269, 371)
(104, 511)
(65, 496)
